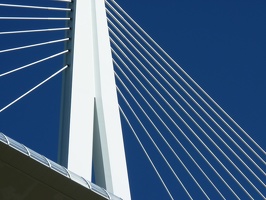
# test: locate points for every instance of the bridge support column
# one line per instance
(90, 123)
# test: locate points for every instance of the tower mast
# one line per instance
(90, 131)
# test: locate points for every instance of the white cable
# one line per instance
(32, 89)
(33, 63)
(35, 18)
(33, 45)
(158, 131)
(125, 46)
(63, 0)
(162, 87)
(34, 7)
(177, 114)
(170, 131)
(33, 31)
(174, 122)
(185, 90)
(143, 148)
(169, 57)
(158, 149)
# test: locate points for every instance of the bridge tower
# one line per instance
(90, 130)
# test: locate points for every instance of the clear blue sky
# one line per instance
(221, 44)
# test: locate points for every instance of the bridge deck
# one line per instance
(26, 174)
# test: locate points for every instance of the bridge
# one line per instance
(175, 134)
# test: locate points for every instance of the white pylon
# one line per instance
(90, 111)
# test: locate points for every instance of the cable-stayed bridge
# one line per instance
(192, 147)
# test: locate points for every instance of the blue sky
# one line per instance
(221, 44)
